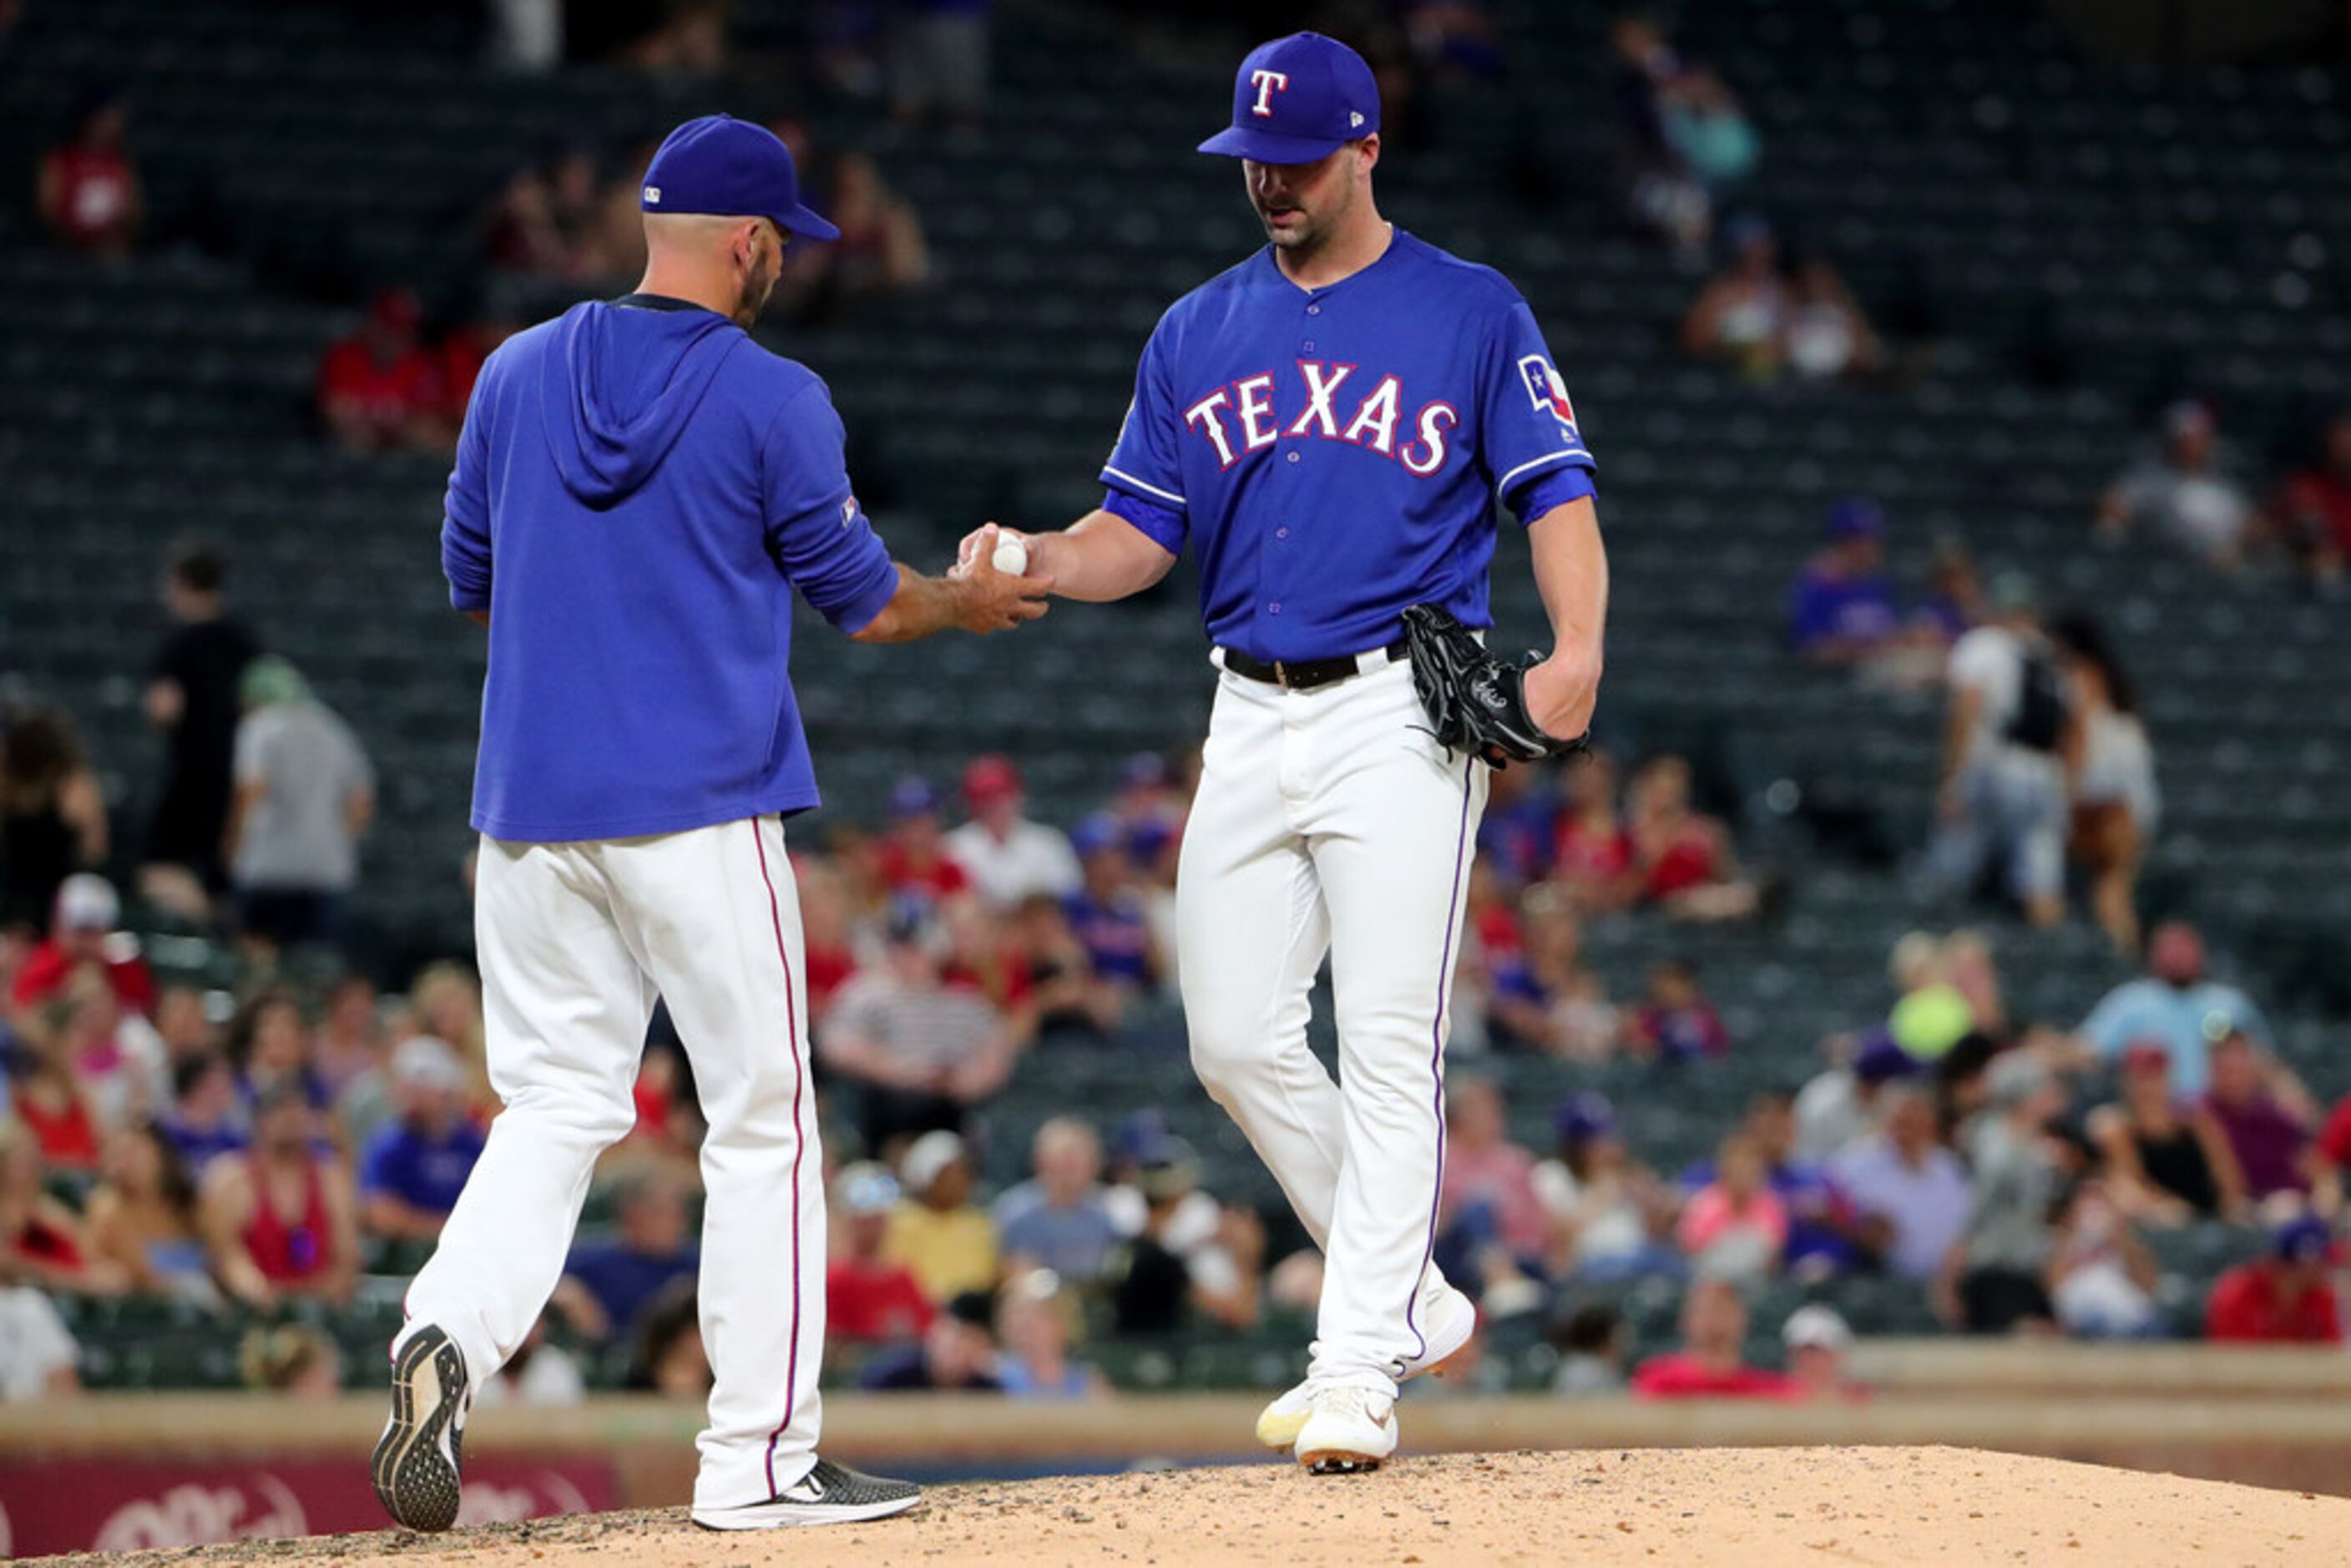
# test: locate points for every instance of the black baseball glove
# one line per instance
(1476, 702)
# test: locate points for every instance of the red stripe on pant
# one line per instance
(799, 1149)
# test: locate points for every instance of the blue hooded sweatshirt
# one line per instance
(638, 490)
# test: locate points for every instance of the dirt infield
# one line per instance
(1738, 1507)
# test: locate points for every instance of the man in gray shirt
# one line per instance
(1995, 1270)
(304, 796)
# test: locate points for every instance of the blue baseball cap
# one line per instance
(912, 796)
(1297, 99)
(1857, 517)
(1095, 834)
(731, 168)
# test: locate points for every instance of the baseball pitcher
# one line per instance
(1327, 425)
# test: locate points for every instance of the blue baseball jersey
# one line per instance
(1334, 453)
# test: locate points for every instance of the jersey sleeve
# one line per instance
(817, 533)
(1145, 478)
(1527, 432)
(465, 509)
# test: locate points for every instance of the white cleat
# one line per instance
(1347, 1432)
(1452, 1319)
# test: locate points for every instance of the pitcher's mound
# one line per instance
(1736, 1508)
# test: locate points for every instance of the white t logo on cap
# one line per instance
(1268, 84)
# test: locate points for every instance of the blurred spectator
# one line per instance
(142, 1218)
(1660, 191)
(305, 795)
(608, 1286)
(1007, 856)
(537, 1375)
(415, 1168)
(1993, 1281)
(1491, 1223)
(1842, 1105)
(1609, 1213)
(922, 1051)
(1706, 129)
(913, 859)
(83, 937)
(295, 1361)
(1734, 1226)
(282, 1220)
(1824, 1230)
(1516, 834)
(828, 934)
(1826, 337)
(1150, 814)
(689, 39)
(458, 358)
(1107, 913)
(88, 195)
(527, 37)
(936, 1231)
(1058, 1218)
(376, 388)
(42, 1240)
(2002, 791)
(1684, 855)
(1841, 611)
(955, 1354)
(2283, 1297)
(1591, 1341)
(2174, 1006)
(2110, 769)
(1188, 1254)
(38, 1357)
(1676, 1023)
(447, 1001)
(869, 1297)
(2312, 511)
(881, 251)
(1954, 604)
(272, 1049)
(1711, 1364)
(46, 1092)
(1547, 998)
(1593, 855)
(192, 697)
(1817, 1338)
(2164, 1163)
(1741, 317)
(1070, 1001)
(670, 1359)
(981, 956)
(938, 54)
(2101, 1279)
(183, 1021)
(1038, 1321)
(348, 1040)
(2271, 1142)
(2184, 491)
(206, 1118)
(1912, 1194)
(52, 815)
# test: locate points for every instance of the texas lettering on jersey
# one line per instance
(1324, 402)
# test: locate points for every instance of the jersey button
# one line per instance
(1273, 608)
(1281, 533)
(1307, 347)
(1315, 311)
(1293, 456)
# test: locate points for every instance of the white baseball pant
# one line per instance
(575, 942)
(1330, 820)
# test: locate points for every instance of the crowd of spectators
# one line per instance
(2194, 491)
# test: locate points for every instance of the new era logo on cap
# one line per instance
(1298, 99)
(652, 196)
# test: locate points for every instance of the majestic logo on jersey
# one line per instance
(1239, 417)
(1268, 84)
(1546, 391)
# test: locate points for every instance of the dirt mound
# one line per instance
(1741, 1508)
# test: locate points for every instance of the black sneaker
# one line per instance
(829, 1494)
(417, 1459)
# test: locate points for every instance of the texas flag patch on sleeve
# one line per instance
(1546, 391)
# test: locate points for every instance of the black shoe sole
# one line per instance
(1338, 1464)
(416, 1482)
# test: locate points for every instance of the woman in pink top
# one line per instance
(1482, 1166)
(1735, 1226)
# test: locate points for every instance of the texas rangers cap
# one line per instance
(731, 168)
(1297, 99)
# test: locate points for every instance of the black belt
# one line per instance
(1305, 674)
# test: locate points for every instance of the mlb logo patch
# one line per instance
(1546, 391)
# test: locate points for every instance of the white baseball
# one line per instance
(1011, 557)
